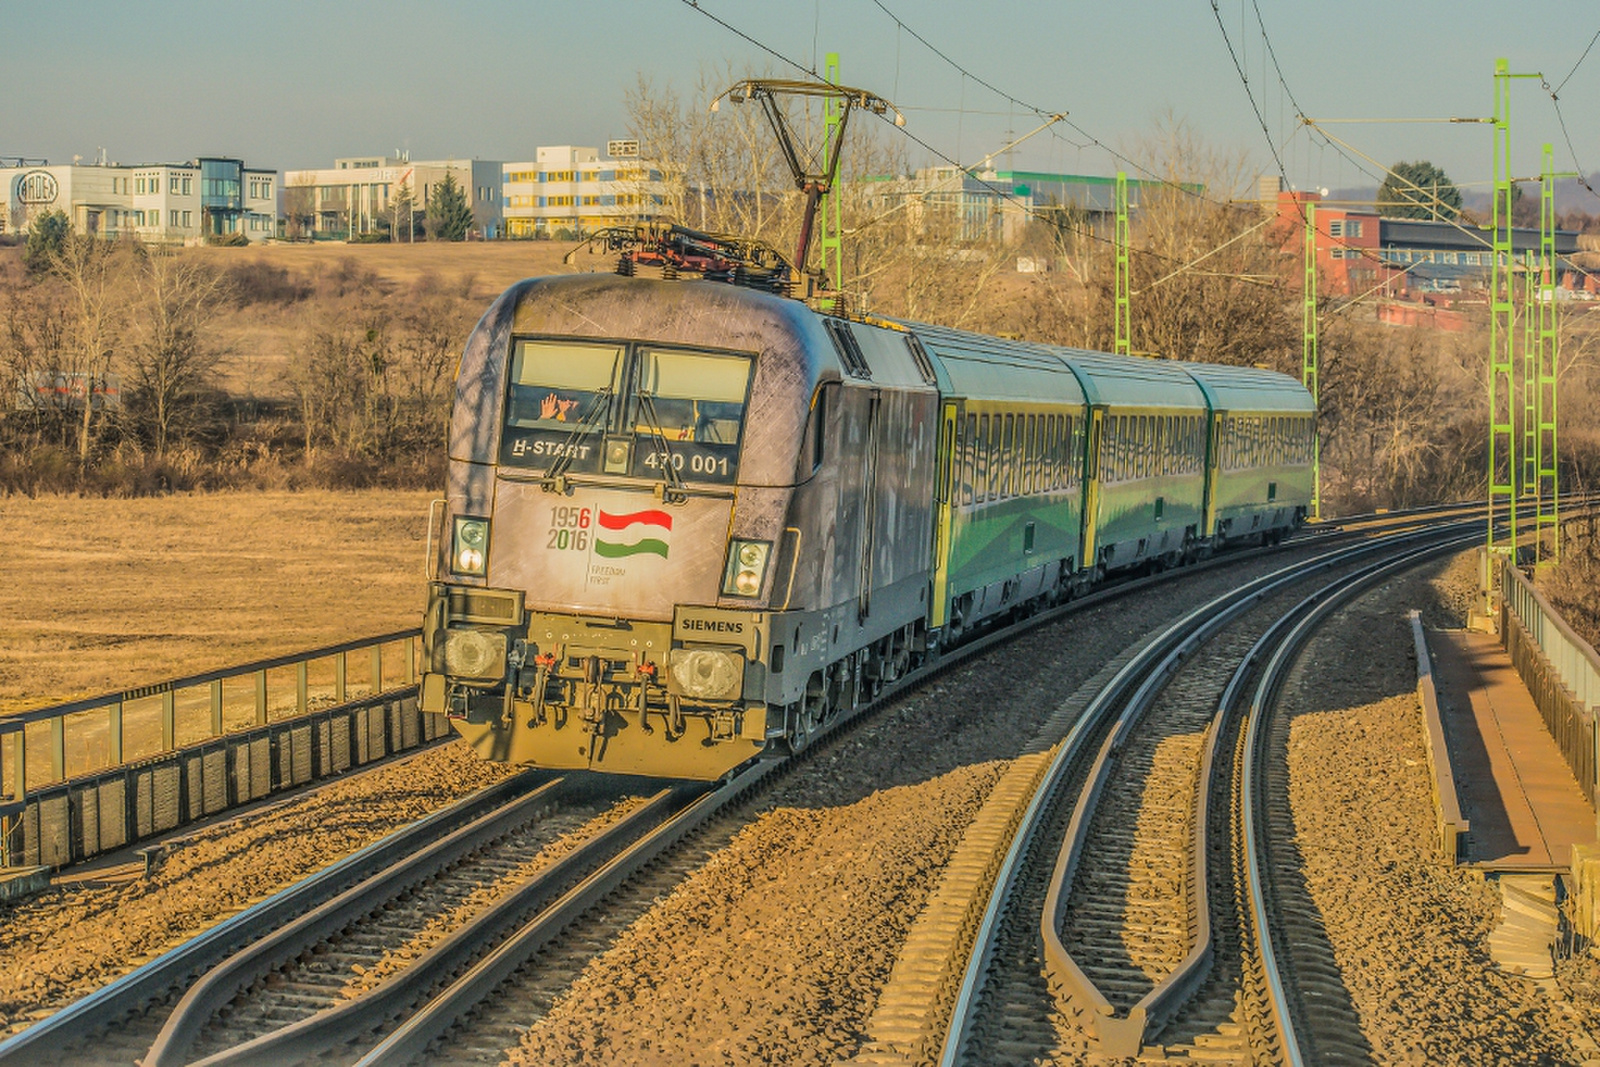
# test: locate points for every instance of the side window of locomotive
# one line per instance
(816, 449)
(689, 411)
(558, 403)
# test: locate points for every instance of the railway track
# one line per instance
(289, 1002)
(1134, 938)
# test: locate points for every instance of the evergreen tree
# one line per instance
(1418, 190)
(46, 237)
(449, 214)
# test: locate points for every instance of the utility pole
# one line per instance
(1308, 355)
(1124, 323)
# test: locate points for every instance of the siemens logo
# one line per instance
(715, 626)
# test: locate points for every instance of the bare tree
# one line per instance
(300, 208)
(172, 358)
(93, 272)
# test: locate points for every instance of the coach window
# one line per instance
(1052, 453)
(981, 477)
(1110, 460)
(991, 483)
(970, 449)
(1029, 465)
(1124, 447)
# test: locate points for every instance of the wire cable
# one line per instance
(1004, 194)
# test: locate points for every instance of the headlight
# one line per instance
(708, 673)
(474, 654)
(747, 568)
(469, 549)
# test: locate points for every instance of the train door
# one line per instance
(1217, 420)
(1091, 487)
(944, 496)
(869, 507)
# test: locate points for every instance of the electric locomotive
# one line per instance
(687, 522)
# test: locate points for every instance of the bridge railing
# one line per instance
(1561, 670)
(45, 746)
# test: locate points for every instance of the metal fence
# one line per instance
(46, 746)
(1561, 670)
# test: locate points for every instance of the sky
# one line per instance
(290, 84)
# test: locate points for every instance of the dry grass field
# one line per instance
(103, 594)
(259, 338)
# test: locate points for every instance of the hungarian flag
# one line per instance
(633, 534)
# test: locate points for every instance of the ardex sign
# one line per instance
(37, 187)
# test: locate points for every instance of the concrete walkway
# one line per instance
(1515, 788)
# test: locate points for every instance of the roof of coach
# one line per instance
(1249, 388)
(1135, 381)
(977, 365)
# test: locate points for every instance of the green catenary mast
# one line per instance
(1308, 353)
(1547, 483)
(1502, 437)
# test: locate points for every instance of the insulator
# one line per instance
(669, 271)
(625, 266)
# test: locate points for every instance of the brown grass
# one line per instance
(102, 595)
(260, 338)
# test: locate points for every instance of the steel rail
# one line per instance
(222, 982)
(151, 982)
(1308, 615)
(134, 991)
(1070, 753)
(1124, 1035)
(348, 1021)
(436, 1017)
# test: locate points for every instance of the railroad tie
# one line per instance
(909, 1019)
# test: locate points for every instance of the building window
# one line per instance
(174, 218)
(186, 218)
(1352, 227)
(172, 185)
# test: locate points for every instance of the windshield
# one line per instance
(616, 409)
(559, 403)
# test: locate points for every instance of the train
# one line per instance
(687, 523)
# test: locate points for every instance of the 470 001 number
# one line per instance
(569, 528)
(698, 463)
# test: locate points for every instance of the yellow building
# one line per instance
(569, 191)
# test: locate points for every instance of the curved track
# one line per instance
(292, 1000)
(1127, 928)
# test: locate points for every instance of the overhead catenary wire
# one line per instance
(1043, 112)
(999, 192)
(1005, 194)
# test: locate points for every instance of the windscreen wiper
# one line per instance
(674, 492)
(555, 477)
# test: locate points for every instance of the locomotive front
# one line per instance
(622, 456)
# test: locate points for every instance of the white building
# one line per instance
(172, 203)
(357, 195)
(568, 191)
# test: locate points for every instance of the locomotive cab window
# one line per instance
(559, 403)
(591, 408)
(688, 410)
